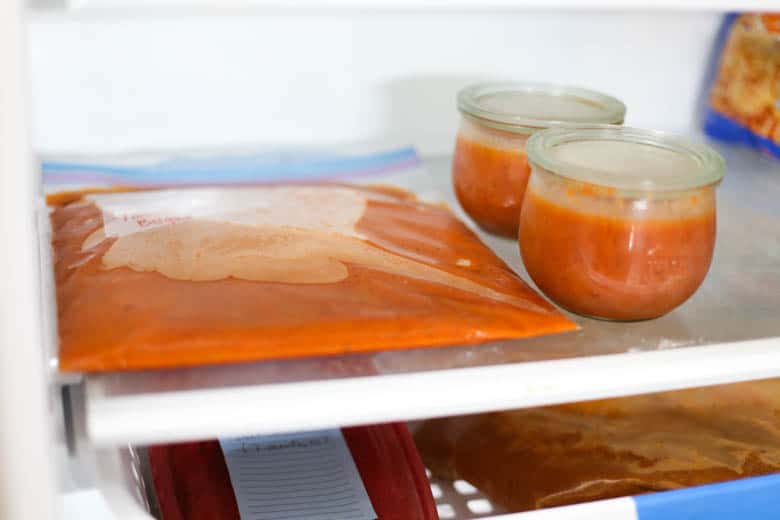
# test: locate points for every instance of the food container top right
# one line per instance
(619, 223)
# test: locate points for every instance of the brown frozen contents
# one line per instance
(558, 455)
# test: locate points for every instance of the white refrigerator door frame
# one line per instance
(26, 472)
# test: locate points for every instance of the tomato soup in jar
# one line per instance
(490, 169)
(618, 223)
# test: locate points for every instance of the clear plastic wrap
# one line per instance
(201, 275)
(743, 105)
(558, 455)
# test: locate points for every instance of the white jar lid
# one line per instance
(527, 107)
(626, 158)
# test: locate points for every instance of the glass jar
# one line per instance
(490, 168)
(618, 223)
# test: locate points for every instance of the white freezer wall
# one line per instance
(113, 81)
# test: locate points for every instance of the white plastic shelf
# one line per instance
(124, 494)
(708, 5)
(105, 484)
(728, 332)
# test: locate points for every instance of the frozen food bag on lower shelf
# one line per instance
(743, 104)
(317, 260)
(560, 455)
(360, 473)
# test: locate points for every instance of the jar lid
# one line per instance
(527, 107)
(626, 158)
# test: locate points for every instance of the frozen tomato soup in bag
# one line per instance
(490, 168)
(181, 277)
(619, 223)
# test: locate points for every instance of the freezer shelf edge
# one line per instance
(172, 416)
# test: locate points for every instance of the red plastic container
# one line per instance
(191, 480)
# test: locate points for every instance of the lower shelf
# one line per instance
(456, 500)
(118, 478)
(123, 491)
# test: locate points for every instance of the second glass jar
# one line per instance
(490, 168)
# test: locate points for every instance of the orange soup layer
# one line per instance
(345, 269)
(490, 183)
(615, 267)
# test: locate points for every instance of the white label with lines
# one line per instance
(296, 476)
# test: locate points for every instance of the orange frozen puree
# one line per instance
(490, 183)
(408, 274)
(615, 267)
